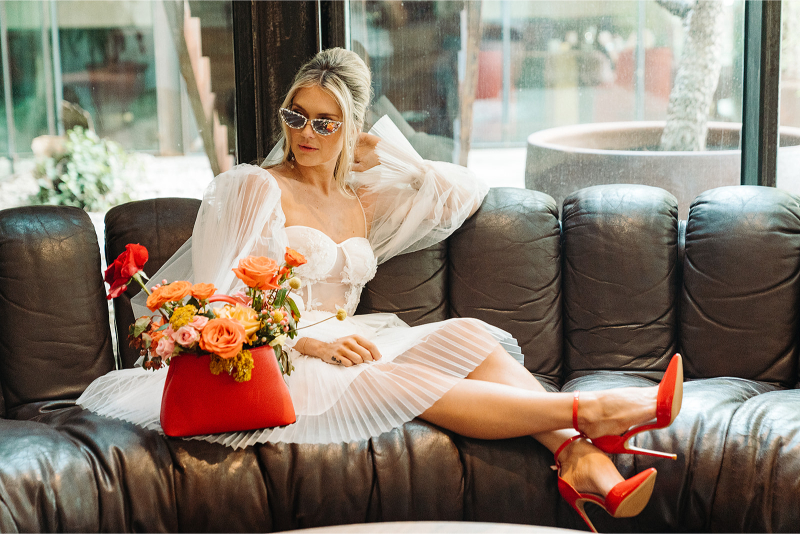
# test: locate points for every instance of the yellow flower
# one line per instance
(341, 314)
(245, 315)
(294, 282)
(182, 316)
(243, 366)
(240, 367)
(277, 316)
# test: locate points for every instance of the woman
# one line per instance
(369, 374)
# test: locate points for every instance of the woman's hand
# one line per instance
(365, 157)
(346, 351)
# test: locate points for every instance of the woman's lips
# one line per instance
(306, 148)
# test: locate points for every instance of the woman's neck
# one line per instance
(320, 177)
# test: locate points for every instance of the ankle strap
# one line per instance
(575, 398)
(564, 446)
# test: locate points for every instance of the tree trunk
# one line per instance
(696, 81)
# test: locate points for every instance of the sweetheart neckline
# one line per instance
(326, 235)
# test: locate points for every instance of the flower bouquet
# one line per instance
(225, 353)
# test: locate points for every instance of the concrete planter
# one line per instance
(563, 160)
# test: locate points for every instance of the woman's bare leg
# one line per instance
(501, 399)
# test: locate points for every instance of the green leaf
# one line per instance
(293, 306)
(147, 340)
(140, 326)
(162, 327)
(280, 296)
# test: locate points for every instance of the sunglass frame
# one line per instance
(314, 122)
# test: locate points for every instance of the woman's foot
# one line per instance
(586, 475)
(587, 469)
(613, 411)
(633, 410)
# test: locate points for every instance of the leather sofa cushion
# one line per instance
(740, 299)
(760, 474)
(413, 286)
(55, 338)
(505, 268)
(620, 277)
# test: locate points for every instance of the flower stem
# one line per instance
(138, 279)
(141, 284)
(314, 324)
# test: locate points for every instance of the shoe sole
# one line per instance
(638, 499)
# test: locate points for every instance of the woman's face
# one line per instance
(310, 148)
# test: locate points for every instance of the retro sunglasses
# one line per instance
(292, 119)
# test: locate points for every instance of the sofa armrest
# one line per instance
(55, 336)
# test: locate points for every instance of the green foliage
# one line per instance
(89, 174)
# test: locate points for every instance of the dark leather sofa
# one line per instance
(602, 298)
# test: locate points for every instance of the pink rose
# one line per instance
(186, 336)
(165, 347)
(198, 322)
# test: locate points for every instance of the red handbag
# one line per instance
(195, 401)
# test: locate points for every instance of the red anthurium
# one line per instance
(124, 268)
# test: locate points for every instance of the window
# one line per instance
(149, 76)
(543, 65)
(788, 175)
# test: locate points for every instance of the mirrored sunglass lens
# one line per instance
(325, 127)
(293, 120)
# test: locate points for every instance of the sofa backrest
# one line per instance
(740, 298)
(505, 269)
(162, 225)
(723, 289)
(54, 332)
(619, 285)
(620, 279)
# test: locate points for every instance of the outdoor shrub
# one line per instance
(90, 173)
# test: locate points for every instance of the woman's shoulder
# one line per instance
(246, 173)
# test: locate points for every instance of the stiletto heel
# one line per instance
(626, 499)
(668, 405)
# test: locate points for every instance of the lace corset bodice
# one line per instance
(335, 273)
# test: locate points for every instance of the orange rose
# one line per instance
(202, 291)
(168, 293)
(155, 300)
(258, 272)
(294, 258)
(223, 337)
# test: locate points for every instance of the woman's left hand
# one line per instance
(365, 157)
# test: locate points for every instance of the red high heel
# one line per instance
(670, 395)
(626, 499)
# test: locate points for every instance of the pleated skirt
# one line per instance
(333, 403)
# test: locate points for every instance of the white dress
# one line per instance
(415, 204)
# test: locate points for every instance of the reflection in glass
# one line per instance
(540, 65)
(118, 68)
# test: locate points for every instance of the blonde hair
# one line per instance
(344, 76)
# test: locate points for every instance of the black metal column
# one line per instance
(762, 47)
(272, 40)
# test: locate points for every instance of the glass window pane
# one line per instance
(150, 78)
(788, 175)
(543, 65)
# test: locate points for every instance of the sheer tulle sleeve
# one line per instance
(240, 215)
(413, 203)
